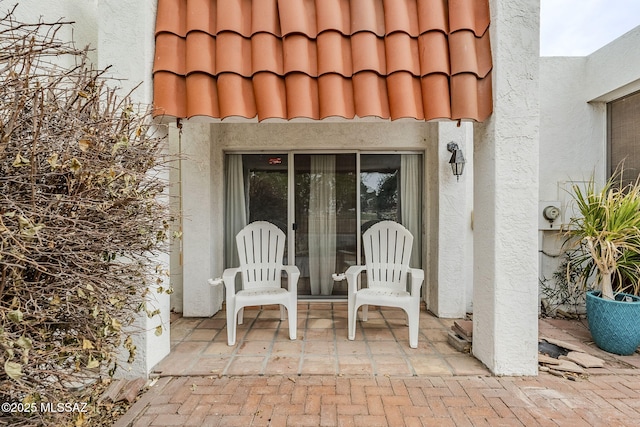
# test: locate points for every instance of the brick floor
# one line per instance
(322, 379)
(473, 401)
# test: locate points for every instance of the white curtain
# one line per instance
(410, 203)
(235, 208)
(322, 224)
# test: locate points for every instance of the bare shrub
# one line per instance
(81, 223)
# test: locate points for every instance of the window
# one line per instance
(623, 129)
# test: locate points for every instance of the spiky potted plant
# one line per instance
(607, 236)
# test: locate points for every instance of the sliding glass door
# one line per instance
(323, 202)
(325, 221)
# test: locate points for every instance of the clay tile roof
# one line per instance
(420, 59)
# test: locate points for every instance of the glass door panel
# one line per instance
(325, 221)
(391, 189)
(267, 178)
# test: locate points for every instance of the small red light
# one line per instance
(275, 161)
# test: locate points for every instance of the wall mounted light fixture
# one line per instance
(457, 159)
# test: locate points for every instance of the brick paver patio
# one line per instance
(322, 379)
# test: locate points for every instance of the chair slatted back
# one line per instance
(387, 251)
(261, 250)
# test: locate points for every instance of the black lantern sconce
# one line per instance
(457, 159)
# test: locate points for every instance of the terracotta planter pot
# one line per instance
(614, 325)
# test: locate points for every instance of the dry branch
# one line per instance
(81, 222)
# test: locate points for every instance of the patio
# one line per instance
(375, 380)
(199, 345)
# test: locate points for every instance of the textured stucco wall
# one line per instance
(82, 13)
(450, 280)
(573, 92)
(505, 333)
(614, 70)
(573, 129)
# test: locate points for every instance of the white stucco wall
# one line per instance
(573, 123)
(573, 92)
(614, 70)
(450, 235)
(84, 30)
(506, 149)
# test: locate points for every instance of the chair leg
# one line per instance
(352, 315)
(283, 315)
(231, 322)
(292, 311)
(365, 312)
(241, 316)
(414, 320)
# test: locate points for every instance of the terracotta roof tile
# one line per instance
(433, 53)
(421, 59)
(402, 53)
(170, 94)
(200, 53)
(302, 96)
(271, 96)
(235, 96)
(233, 54)
(300, 55)
(203, 96)
(470, 53)
(470, 15)
(368, 53)
(334, 54)
(462, 104)
(333, 15)
(433, 15)
(405, 100)
(201, 16)
(170, 54)
(367, 15)
(233, 15)
(264, 17)
(436, 95)
(298, 16)
(401, 15)
(370, 95)
(335, 95)
(266, 53)
(171, 17)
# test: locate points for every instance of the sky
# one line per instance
(580, 27)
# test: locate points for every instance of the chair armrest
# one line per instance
(229, 278)
(293, 274)
(417, 277)
(352, 277)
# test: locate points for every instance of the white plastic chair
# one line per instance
(387, 250)
(261, 250)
